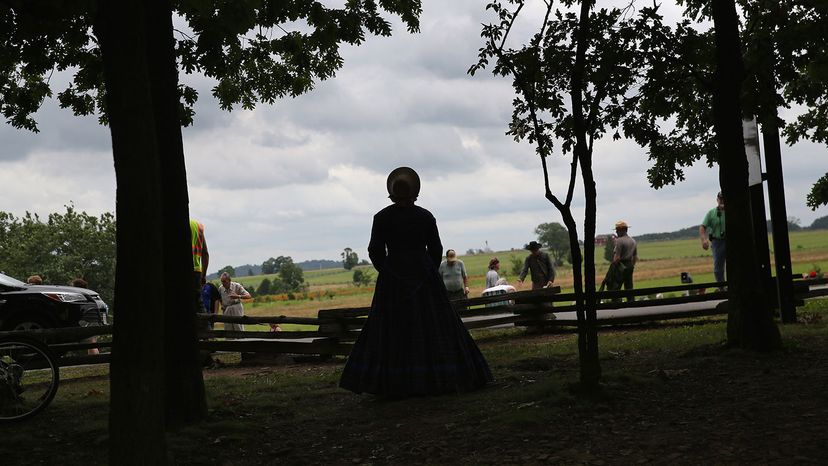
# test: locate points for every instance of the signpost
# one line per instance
(750, 132)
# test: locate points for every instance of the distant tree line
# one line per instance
(290, 278)
(254, 269)
(693, 231)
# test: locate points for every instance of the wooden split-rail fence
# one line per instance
(333, 331)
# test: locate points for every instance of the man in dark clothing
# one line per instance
(210, 298)
(540, 266)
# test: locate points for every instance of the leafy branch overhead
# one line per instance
(257, 51)
(819, 193)
(673, 116)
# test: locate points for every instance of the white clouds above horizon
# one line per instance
(303, 177)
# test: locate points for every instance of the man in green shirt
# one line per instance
(712, 233)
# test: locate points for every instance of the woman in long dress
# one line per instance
(413, 342)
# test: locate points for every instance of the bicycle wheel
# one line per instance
(29, 377)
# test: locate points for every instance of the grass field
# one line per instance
(660, 264)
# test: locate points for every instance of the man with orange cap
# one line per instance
(625, 253)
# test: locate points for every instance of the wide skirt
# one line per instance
(413, 342)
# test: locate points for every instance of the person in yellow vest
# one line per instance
(201, 259)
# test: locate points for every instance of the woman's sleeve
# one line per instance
(376, 246)
(435, 247)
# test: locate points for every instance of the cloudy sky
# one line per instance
(304, 177)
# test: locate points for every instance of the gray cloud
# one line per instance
(305, 176)
(60, 131)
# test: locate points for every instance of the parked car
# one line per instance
(28, 307)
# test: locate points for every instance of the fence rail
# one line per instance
(333, 330)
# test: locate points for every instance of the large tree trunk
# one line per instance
(136, 419)
(590, 367)
(750, 323)
(185, 400)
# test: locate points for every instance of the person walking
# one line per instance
(231, 295)
(539, 266)
(712, 234)
(413, 341)
(453, 271)
(625, 256)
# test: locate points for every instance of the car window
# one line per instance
(9, 281)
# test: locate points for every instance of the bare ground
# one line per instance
(702, 405)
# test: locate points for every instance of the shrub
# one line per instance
(517, 265)
(362, 277)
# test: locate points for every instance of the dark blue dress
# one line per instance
(413, 342)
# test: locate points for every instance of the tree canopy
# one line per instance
(362, 277)
(63, 247)
(291, 276)
(556, 240)
(820, 224)
(785, 43)
(264, 287)
(349, 258)
(258, 52)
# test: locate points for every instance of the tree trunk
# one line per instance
(577, 283)
(185, 399)
(591, 370)
(136, 419)
(750, 323)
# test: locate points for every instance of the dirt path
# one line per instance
(709, 405)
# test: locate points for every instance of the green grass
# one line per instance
(673, 249)
(661, 263)
(312, 277)
(806, 240)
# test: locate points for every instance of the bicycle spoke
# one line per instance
(28, 378)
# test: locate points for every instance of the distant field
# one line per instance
(661, 263)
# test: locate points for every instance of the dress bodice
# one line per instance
(404, 237)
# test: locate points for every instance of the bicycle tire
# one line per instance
(29, 377)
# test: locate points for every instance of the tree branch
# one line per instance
(509, 28)
(184, 34)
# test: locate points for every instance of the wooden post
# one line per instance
(779, 219)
